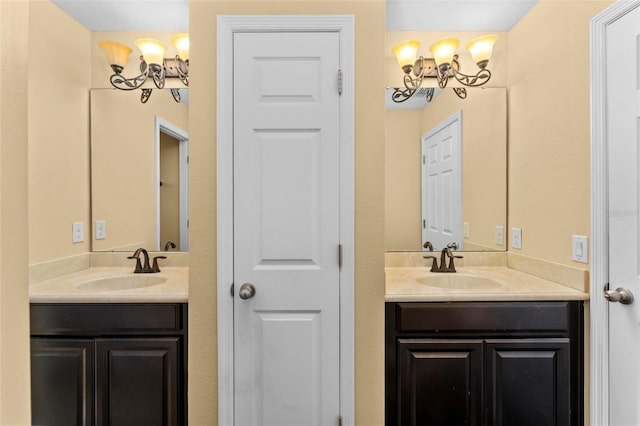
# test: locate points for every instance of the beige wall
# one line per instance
(59, 79)
(369, 203)
(14, 298)
(549, 127)
(123, 157)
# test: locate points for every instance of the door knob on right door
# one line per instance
(620, 294)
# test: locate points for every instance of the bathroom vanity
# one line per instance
(483, 346)
(484, 363)
(110, 347)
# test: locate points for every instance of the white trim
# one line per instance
(166, 127)
(227, 25)
(599, 307)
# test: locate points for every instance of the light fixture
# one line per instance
(443, 66)
(153, 64)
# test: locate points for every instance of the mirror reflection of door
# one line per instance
(169, 191)
(442, 184)
(172, 218)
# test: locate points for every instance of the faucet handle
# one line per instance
(452, 267)
(434, 264)
(138, 264)
(155, 267)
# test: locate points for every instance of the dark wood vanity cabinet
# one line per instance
(484, 363)
(108, 364)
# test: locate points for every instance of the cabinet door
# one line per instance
(62, 381)
(527, 382)
(137, 381)
(439, 382)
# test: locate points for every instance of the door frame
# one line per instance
(227, 25)
(599, 276)
(168, 128)
(456, 118)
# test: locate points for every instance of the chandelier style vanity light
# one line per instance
(443, 66)
(153, 64)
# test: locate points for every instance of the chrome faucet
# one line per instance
(446, 252)
(146, 267)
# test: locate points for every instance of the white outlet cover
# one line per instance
(101, 229)
(500, 235)
(465, 230)
(78, 232)
(516, 238)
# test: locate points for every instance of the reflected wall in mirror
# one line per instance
(139, 170)
(483, 189)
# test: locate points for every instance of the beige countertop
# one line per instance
(114, 285)
(478, 283)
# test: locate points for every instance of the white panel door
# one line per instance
(286, 228)
(442, 183)
(623, 120)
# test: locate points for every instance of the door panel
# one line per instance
(622, 50)
(62, 381)
(527, 382)
(286, 228)
(442, 183)
(440, 382)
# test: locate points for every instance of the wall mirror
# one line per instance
(467, 201)
(139, 171)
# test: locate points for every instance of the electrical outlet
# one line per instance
(580, 248)
(101, 229)
(78, 232)
(465, 230)
(516, 238)
(500, 235)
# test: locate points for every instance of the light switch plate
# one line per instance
(465, 230)
(516, 238)
(78, 232)
(580, 248)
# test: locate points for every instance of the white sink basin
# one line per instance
(457, 281)
(124, 282)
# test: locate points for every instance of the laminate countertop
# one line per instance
(114, 285)
(491, 283)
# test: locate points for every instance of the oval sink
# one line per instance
(125, 282)
(459, 282)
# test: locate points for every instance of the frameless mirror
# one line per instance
(139, 171)
(446, 172)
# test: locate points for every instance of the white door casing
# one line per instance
(442, 183)
(614, 328)
(286, 228)
(228, 28)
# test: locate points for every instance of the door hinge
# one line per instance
(339, 82)
(339, 255)
(424, 224)
(424, 159)
(231, 289)
(339, 420)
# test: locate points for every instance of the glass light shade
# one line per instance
(181, 42)
(406, 53)
(444, 50)
(117, 54)
(152, 50)
(481, 48)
